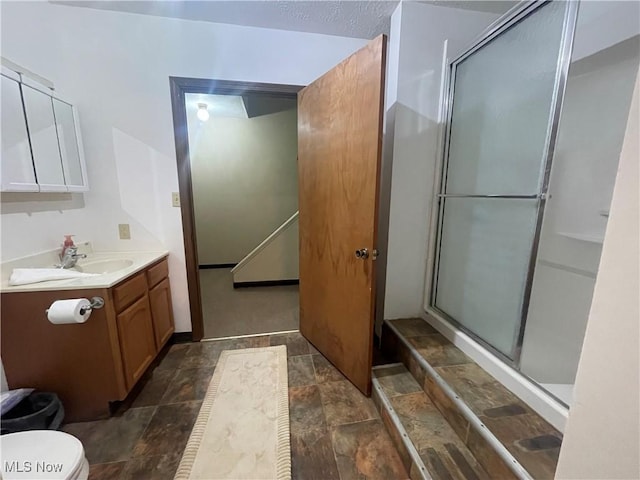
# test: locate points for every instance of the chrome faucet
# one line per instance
(70, 257)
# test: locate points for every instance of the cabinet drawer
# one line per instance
(156, 273)
(128, 292)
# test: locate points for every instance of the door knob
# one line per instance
(362, 254)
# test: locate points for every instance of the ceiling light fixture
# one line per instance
(203, 113)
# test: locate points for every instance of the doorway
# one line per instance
(338, 165)
(238, 211)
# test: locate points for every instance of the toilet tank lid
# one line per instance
(40, 454)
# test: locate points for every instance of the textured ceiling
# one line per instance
(348, 18)
(489, 6)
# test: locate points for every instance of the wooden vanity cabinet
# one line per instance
(160, 300)
(137, 345)
(144, 316)
(89, 364)
(161, 312)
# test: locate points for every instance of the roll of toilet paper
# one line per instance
(69, 311)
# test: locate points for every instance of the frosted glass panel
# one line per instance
(501, 109)
(484, 257)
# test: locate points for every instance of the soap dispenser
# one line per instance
(68, 242)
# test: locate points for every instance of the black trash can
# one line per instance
(38, 411)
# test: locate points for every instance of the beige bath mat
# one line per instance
(242, 431)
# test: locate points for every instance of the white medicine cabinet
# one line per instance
(41, 144)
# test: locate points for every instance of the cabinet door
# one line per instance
(137, 344)
(162, 312)
(70, 146)
(18, 174)
(44, 140)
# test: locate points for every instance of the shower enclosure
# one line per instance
(536, 113)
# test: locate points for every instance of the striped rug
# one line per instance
(242, 430)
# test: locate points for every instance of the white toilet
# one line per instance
(42, 454)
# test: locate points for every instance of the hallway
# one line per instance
(232, 312)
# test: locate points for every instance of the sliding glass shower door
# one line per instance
(503, 100)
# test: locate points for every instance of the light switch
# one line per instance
(123, 230)
(175, 199)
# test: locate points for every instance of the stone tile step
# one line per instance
(428, 445)
(506, 436)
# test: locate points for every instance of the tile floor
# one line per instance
(442, 451)
(528, 437)
(231, 312)
(336, 433)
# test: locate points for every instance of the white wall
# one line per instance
(245, 181)
(603, 23)
(602, 437)
(416, 129)
(115, 67)
(388, 133)
(277, 259)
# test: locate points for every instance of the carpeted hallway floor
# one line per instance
(243, 311)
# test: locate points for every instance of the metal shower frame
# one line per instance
(509, 20)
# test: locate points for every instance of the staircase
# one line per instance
(449, 419)
(274, 261)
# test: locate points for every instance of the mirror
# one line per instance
(44, 139)
(17, 164)
(68, 143)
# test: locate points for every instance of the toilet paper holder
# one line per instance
(96, 303)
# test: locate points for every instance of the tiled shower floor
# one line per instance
(336, 432)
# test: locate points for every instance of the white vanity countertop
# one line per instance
(140, 260)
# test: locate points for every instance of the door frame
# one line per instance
(179, 87)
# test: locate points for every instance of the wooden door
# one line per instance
(161, 312)
(339, 153)
(137, 344)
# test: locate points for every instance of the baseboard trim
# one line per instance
(249, 335)
(216, 265)
(266, 283)
(181, 337)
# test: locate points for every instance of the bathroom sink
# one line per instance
(104, 266)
